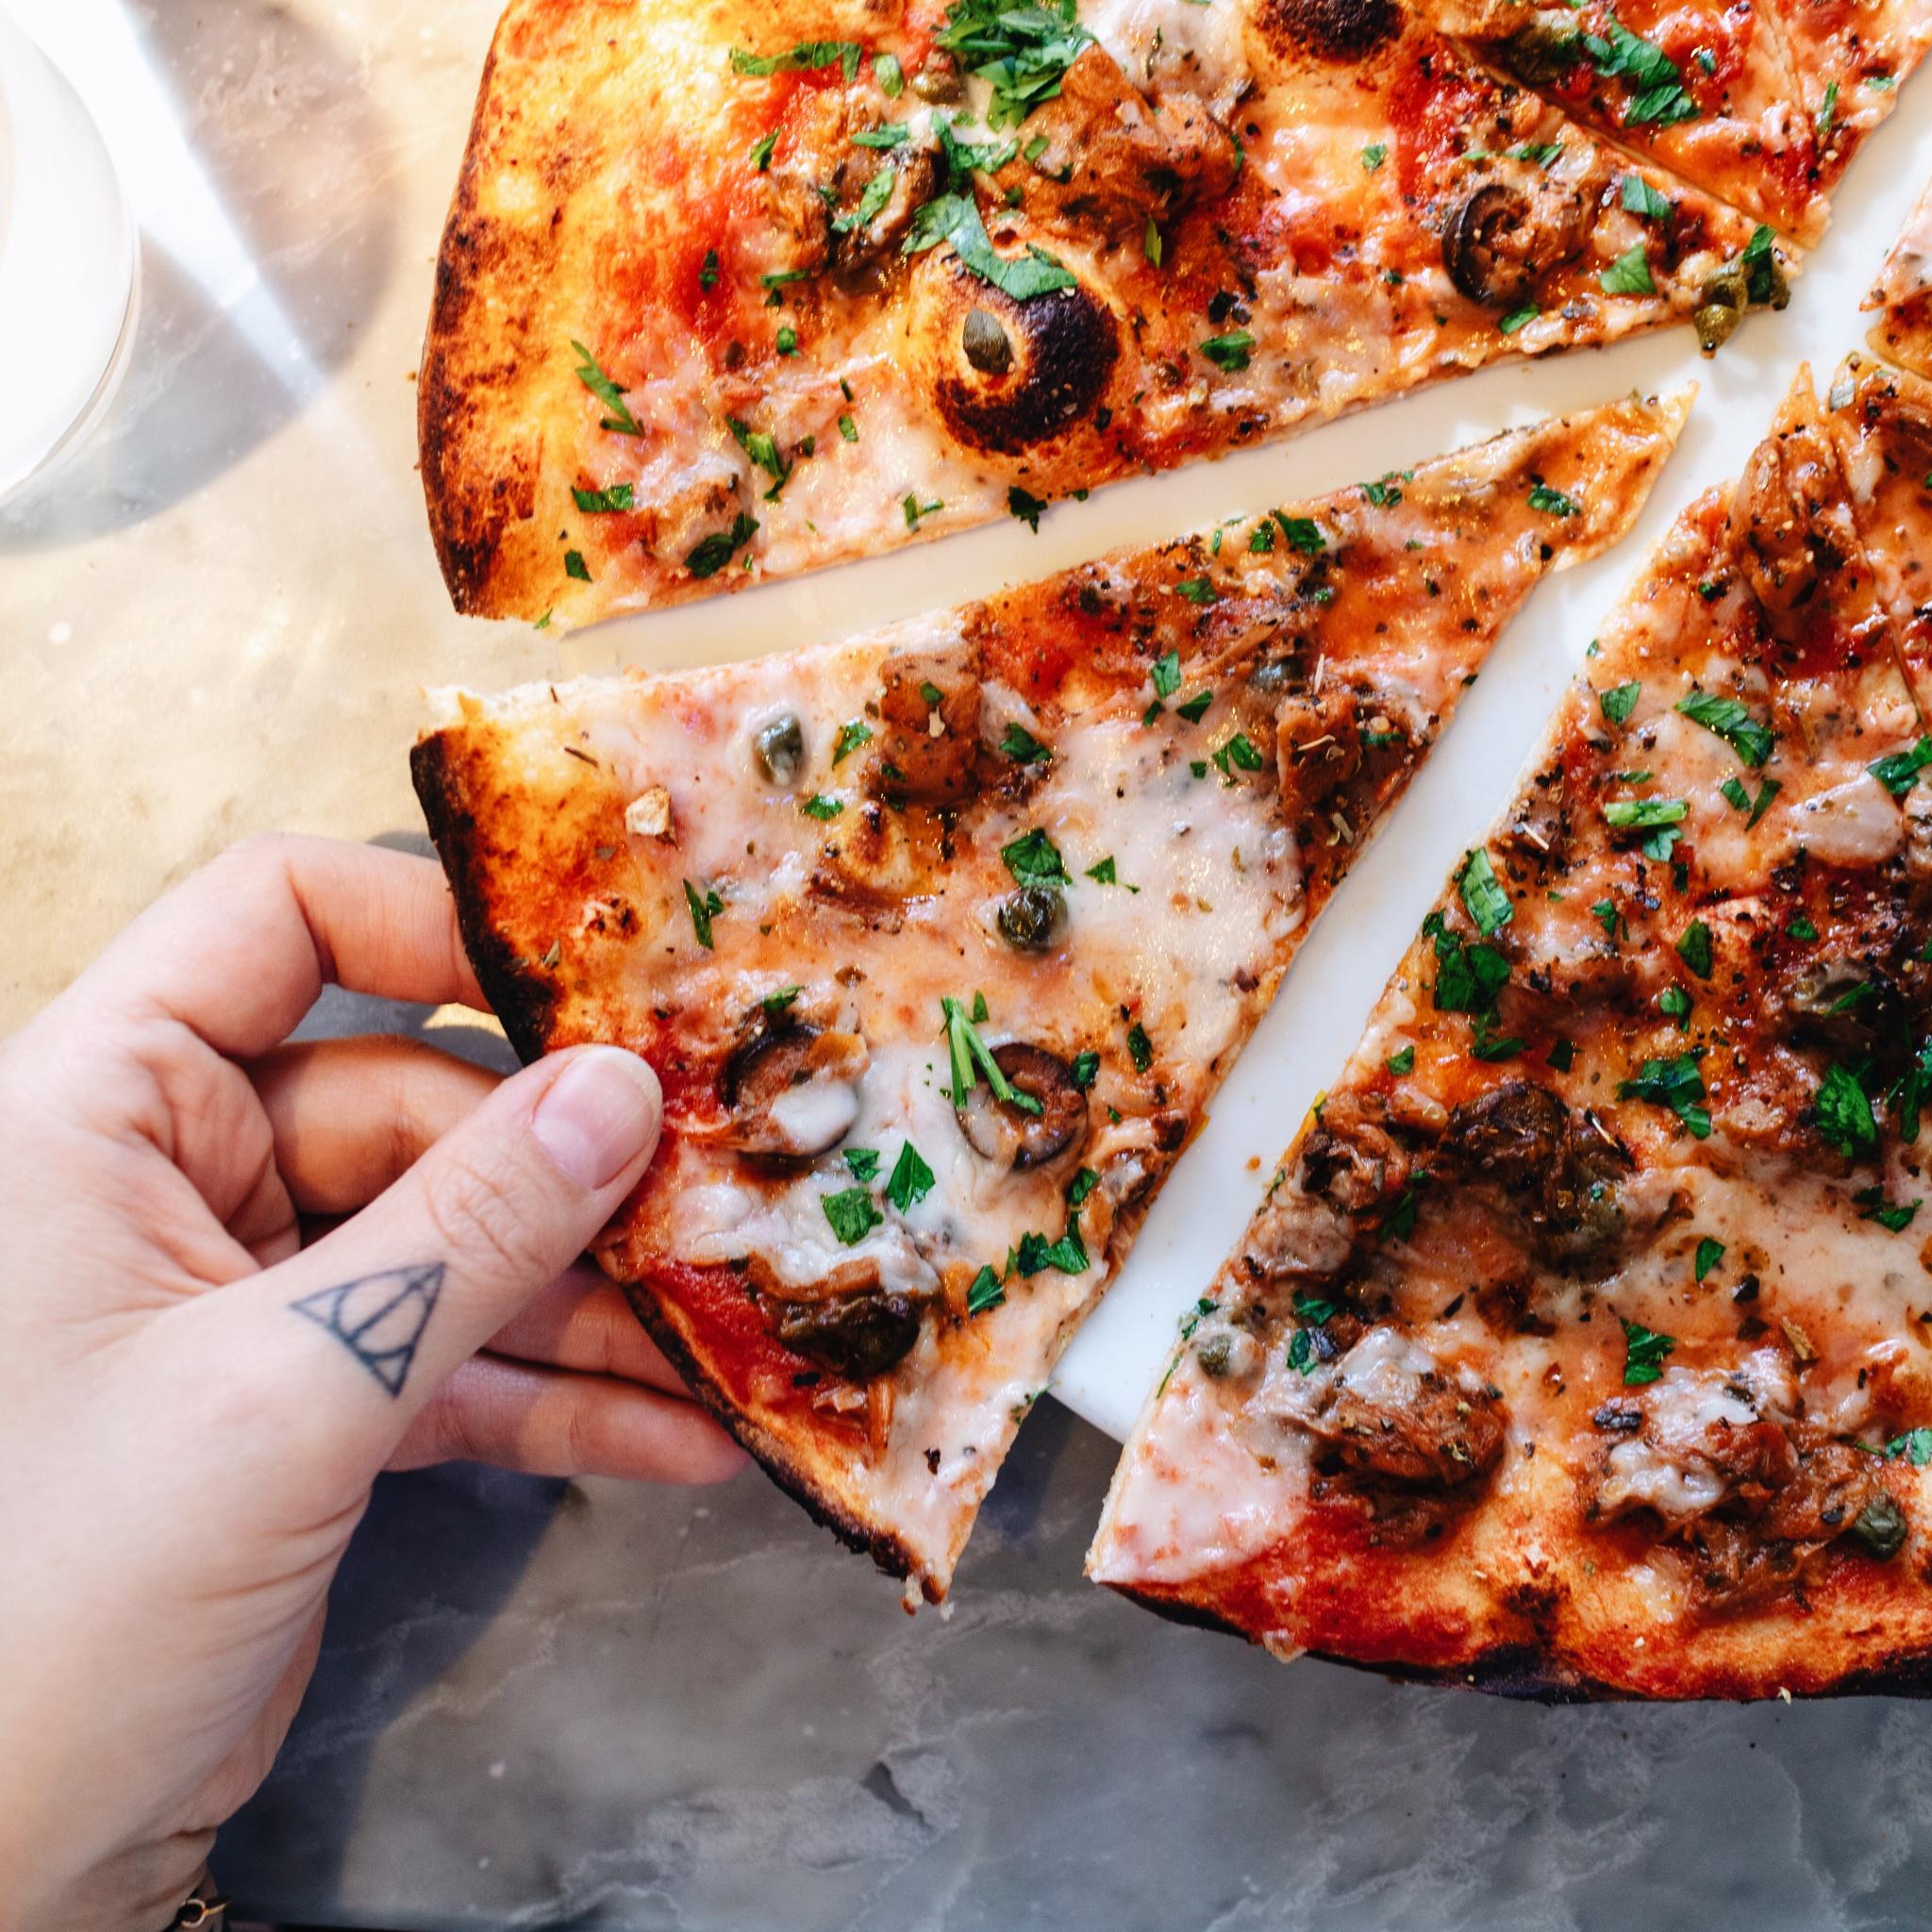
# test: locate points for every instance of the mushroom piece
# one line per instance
(1013, 1137)
(857, 1336)
(791, 1089)
(1500, 239)
(1783, 521)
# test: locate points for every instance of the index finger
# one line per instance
(239, 952)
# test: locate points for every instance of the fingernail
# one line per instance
(600, 1115)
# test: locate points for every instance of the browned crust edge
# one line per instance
(522, 999)
(467, 541)
(524, 1002)
(1524, 1675)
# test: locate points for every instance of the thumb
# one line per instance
(496, 1210)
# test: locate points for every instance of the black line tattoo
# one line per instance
(379, 1318)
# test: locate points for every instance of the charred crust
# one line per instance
(1066, 343)
(466, 525)
(524, 1000)
(1333, 30)
(778, 1460)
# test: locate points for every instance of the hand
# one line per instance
(197, 1402)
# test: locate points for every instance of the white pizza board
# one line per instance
(1318, 1013)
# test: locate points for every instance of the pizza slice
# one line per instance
(941, 938)
(1903, 294)
(1850, 58)
(1583, 1345)
(1706, 90)
(731, 293)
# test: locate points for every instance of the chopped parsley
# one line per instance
(1845, 1112)
(1693, 948)
(863, 1162)
(1872, 1205)
(1483, 896)
(1658, 96)
(776, 1003)
(1552, 502)
(763, 448)
(1827, 110)
(1731, 720)
(821, 808)
(710, 555)
(1084, 1069)
(1674, 1002)
(1403, 1062)
(1383, 493)
(1081, 1186)
(1229, 351)
(708, 275)
(1674, 1083)
(1630, 274)
(1799, 928)
(1468, 977)
(1165, 673)
(1899, 771)
(1915, 1446)
(1239, 751)
(1195, 708)
(972, 1060)
(985, 1293)
(849, 739)
(1618, 702)
(1021, 51)
(574, 566)
(1374, 156)
(915, 510)
(702, 912)
(1644, 1351)
(1734, 794)
(1068, 1254)
(1709, 1253)
(1641, 198)
(1140, 1048)
(1024, 749)
(853, 1213)
(603, 502)
(910, 1181)
(1151, 245)
(890, 74)
(1104, 873)
(606, 393)
(1606, 914)
(804, 58)
(1304, 533)
(1518, 318)
(1025, 506)
(1197, 591)
(848, 429)
(1034, 860)
(893, 134)
(956, 219)
(761, 150)
(1645, 814)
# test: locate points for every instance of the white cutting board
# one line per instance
(1318, 1015)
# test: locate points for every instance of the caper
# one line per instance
(986, 344)
(1273, 676)
(779, 749)
(1215, 1352)
(1026, 920)
(1881, 1526)
(1721, 304)
(1545, 50)
(938, 80)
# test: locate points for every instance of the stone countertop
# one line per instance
(563, 1706)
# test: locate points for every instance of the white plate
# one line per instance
(1318, 1013)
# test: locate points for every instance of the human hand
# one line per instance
(198, 1403)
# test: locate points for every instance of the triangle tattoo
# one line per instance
(379, 1318)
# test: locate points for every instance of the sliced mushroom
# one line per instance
(928, 746)
(1785, 524)
(1013, 1137)
(792, 1090)
(857, 1336)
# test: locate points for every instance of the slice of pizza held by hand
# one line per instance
(730, 294)
(940, 939)
(1584, 1342)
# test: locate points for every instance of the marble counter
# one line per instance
(542, 1706)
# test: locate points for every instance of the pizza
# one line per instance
(732, 292)
(1850, 58)
(1583, 1343)
(1903, 294)
(1706, 90)
(940, 939)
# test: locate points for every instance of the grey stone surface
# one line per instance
(596, 1707)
